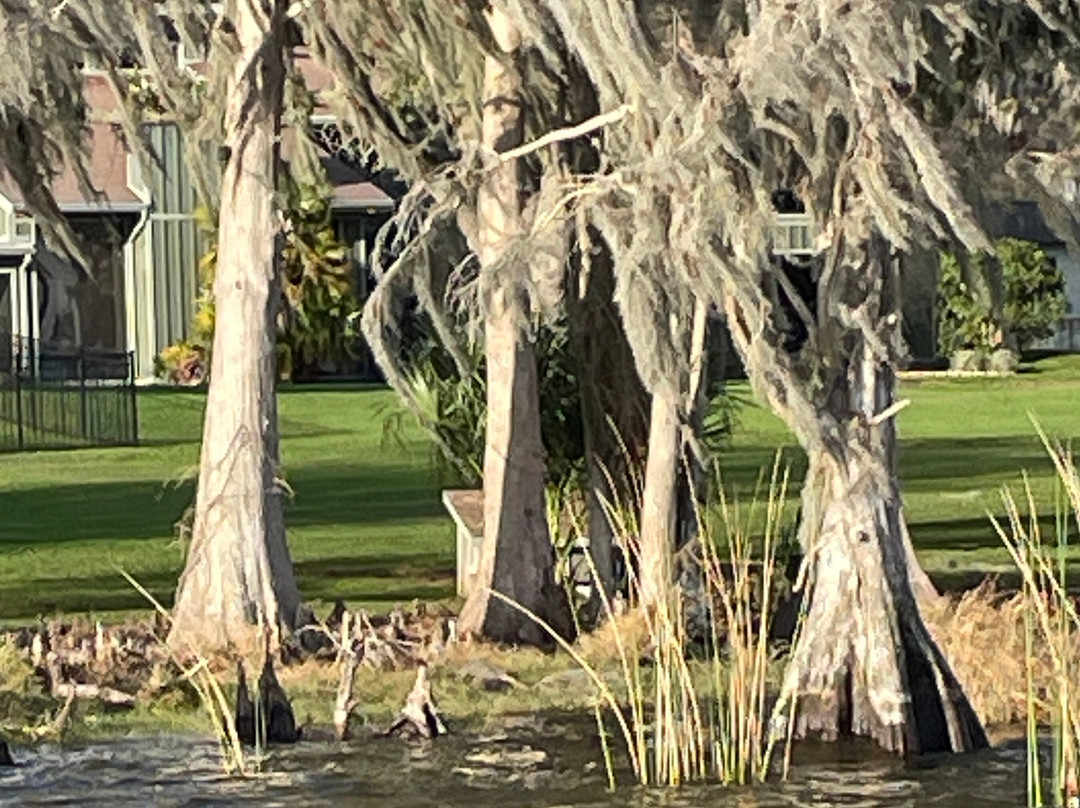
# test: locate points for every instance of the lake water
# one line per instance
(543, 763)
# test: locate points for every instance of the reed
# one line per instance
(689, 708)
(1052, 628)
(215, 704)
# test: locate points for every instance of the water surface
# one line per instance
(546, 764)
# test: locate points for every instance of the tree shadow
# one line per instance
(388, 579)
(333, 494)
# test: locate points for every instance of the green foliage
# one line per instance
(965, 322)
(452, 408)
(1033, 293)
(318, 319)
(182, 363)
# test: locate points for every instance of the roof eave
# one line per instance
(351, 205)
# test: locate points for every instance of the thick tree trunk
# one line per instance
(238, 581)
(659, 502)
(864, 663)
(518, 559)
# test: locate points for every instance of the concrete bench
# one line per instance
(466, 507)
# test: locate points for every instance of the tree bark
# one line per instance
(864, 662)
(518, 559)
(659, 502)
(238, 581)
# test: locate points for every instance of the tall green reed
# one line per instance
(1052, 626)
(686, 710)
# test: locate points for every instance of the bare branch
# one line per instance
(569, 133)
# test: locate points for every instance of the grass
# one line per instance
(961, 440)
(366, 523)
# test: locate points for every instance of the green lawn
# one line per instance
(365, 521)
(962, 440)
(366, 524)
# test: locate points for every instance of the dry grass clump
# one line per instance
(982, 634)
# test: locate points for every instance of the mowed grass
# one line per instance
(961, 441)
(365, 519)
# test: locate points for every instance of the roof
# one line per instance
(353, 189)
(108, 171)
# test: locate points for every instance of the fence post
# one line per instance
(134, 399)
(17, 368)
(84, 428)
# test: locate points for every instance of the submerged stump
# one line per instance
(419, 718)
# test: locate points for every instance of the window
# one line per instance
(24, 229)
(793, 234)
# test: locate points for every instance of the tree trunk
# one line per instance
(614, 408)
(864, 663)
(659, 501)
(518, 559)
(238, 581)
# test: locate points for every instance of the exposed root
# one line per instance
(419, 717)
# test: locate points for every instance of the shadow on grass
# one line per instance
(378, 580)
(975, 533)
(339, 494)
(922, 459)
(421, 566)
(927, 461)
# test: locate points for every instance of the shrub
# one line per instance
(182, 363)
(1034, 291)
(318, 315)
(1033, 300)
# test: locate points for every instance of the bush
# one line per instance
(453, 410)
(182, 363)
(1034, 291)
(1033, 300)
(318, 314)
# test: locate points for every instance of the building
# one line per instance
(1018, 219)
(139, 288)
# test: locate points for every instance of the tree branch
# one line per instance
(569, 133)
(889, 412)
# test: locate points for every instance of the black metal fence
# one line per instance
(51, 397)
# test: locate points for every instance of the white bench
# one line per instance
(467, 509)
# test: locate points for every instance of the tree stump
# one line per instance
(419, 718)
(345, 703)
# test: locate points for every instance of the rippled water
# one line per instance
(538, 764)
